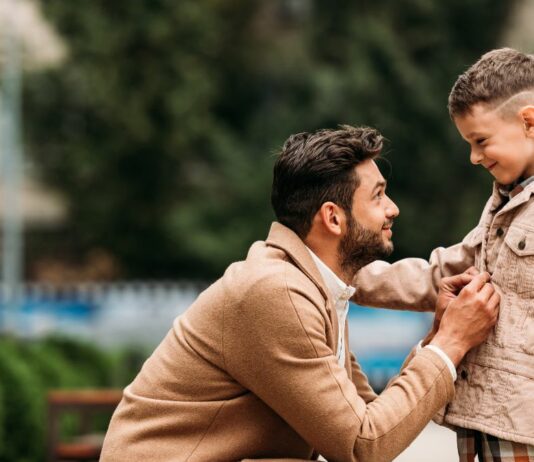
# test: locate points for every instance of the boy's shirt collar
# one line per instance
(507, 197)
(514, 189)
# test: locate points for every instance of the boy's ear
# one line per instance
(527, 115)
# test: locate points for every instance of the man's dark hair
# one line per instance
(314, 168)
(495, 77)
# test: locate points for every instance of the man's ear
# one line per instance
(527, 115)
(331, 217)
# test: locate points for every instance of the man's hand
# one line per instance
(449, 288)
(468, 318)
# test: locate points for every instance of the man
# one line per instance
(257, 367)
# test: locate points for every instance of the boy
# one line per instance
(492, 105)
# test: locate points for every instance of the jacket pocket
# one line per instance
(520, 266)
(520, 261)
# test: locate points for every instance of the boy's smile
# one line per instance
(504, 146)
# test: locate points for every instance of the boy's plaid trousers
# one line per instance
(490, 448)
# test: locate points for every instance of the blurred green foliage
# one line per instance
(161, 125)
(29, 369)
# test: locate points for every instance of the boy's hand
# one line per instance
(449, 288)
(468, 318)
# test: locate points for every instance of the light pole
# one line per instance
(11, 163)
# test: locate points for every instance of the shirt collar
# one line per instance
(338, 289)
(515, 188)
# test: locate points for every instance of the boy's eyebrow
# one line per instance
(475, 135)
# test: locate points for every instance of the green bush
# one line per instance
(28, 369)
(92, 366)
(23, 406)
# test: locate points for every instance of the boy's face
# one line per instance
(504, 146)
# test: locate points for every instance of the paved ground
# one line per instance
(435, 443)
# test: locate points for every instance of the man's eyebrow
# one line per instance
(380, 184)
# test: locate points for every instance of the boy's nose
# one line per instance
(476, 156)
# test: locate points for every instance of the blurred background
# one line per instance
(136, 148)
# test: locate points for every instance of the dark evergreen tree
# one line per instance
(160, 127)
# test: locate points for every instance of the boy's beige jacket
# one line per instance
(495, 386)
(249, 371)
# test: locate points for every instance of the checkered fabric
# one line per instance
(488, 448)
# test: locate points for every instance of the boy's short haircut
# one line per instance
(493, 79)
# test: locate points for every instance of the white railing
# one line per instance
(109, 314)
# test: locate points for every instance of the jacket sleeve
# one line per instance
(276, 345)
(413, 283)
(360, 381)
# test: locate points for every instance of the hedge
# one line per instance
(28, 369)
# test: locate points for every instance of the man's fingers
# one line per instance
(460, 280)
(487, 291)
(457, 281)
(472, 271)
(478, 282)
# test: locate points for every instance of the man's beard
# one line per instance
(361, 246)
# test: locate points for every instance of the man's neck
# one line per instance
(329, 256)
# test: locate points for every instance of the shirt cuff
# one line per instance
(442, 355)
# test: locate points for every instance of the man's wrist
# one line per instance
(429, 337)
(454, 349)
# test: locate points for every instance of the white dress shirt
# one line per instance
(341, 294)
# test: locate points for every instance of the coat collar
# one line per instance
(282, 237)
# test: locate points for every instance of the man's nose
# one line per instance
(392, 210)
(476, 156)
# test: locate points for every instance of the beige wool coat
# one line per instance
(495, 386)
(249, 372)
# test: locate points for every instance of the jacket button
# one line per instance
(463, 374)
(500, 232)
(521, 245)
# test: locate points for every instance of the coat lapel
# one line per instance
(282, 237)
(287, 240)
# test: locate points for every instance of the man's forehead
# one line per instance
(369, 174)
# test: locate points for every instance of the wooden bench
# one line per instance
(84, 403)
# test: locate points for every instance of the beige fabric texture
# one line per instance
(495, 386)
(249, 372)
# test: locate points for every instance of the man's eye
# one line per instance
(379, 195)
(479, 141)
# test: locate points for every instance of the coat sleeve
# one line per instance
(275, 344)
(360, 381)
(412, 283)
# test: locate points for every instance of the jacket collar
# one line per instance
(282, 237)
(518, 199)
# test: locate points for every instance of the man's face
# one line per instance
(368, 234)
(500, 145)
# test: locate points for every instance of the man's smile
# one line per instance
(387, 229)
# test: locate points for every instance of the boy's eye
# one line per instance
(479, 141)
